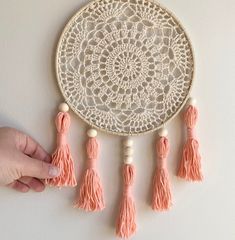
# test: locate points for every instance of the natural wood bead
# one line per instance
(128, 159)
(192, 101)
(163, 132)
(128, 142)
(128, 151)
(92, 132)
(63, 107)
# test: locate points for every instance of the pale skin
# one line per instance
(24, 164)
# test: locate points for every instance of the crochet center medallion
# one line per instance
(125, 67)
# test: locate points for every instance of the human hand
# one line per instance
(23, 162)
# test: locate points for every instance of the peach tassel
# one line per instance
(91, 193)
(126, 222)
(190, 165)
(126, 225)
(162, 199)
(62, 156)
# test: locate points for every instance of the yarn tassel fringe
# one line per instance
(190, 164)
(62, 157)
(126, 222)
(91, 192)
(162, 197)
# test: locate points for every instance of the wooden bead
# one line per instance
(192, 101)
(128, 151)
(163, 132)
(128, 142)
(63, 107)
(92, 133)
(128, 159)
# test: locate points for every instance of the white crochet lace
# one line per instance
(124, 66)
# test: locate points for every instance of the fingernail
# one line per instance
(54, 171)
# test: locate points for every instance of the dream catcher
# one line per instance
(125, 67)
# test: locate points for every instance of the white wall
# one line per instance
(29, 96)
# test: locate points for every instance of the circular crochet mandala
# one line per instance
(124, 66)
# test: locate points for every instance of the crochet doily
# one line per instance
(124, 66)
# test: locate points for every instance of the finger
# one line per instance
(33, 183)
(30, 147)
(36, 168)
(18, 186)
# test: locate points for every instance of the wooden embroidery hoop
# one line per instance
(118, 15)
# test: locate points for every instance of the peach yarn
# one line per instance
(162, 197)
(190, 165)
(91, 192)
(126, 222)
(62, 156)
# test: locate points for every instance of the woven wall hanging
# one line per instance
(125, 67)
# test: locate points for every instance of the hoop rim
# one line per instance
(183, 103)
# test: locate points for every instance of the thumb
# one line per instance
(39, 169)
